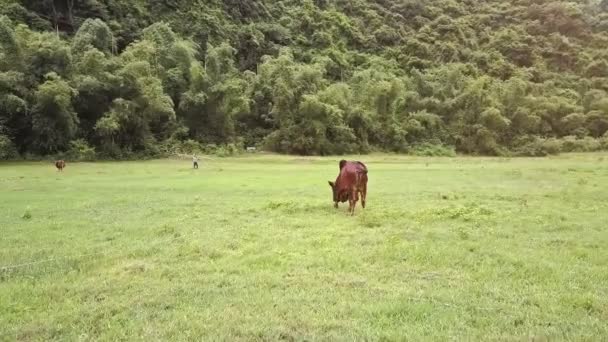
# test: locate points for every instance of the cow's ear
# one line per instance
(331, 183)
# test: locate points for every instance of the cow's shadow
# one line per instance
(294, 207)
(289, 207)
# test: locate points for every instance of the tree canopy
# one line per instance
(128, 78)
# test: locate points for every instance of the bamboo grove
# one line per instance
(124, 79)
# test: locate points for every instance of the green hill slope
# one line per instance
(307, 77)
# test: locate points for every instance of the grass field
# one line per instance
(251, 248)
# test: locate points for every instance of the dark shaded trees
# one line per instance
(306, 77)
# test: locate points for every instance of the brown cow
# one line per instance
(351, 181)
(60, 165)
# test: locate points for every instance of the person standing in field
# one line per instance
(194, 161)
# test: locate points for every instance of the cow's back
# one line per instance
(352, 174)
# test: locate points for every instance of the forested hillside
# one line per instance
(124, 78)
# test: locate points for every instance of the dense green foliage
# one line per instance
(308, 77)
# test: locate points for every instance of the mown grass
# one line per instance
(251, 248)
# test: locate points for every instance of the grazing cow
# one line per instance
(60, 164)
(351, 181)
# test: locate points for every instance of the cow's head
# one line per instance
(334, 193)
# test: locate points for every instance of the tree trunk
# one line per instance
(71, 12)
(55, 19)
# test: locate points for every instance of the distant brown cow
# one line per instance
(60, 164)
(351, 181)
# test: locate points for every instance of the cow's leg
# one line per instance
(363, 196)
(355, 197)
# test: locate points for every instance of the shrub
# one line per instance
(171, 147)
(536, 147)
(210, 148)
(586, 144)
(551, 146)
(81, 151)
(7, 148)
(532, 147)
(227, 150)
(433, 150)
(604, 141)
(190, 146)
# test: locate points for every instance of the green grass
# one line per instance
(251, 248)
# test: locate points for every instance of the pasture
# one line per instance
(250, 248)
